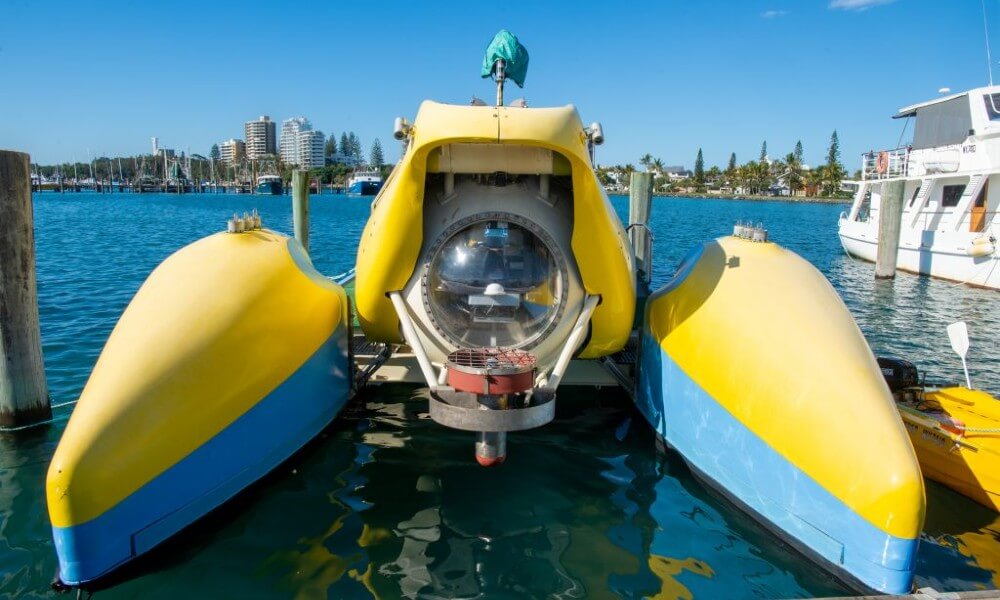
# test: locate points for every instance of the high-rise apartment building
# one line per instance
(300, 145)
(261, 137)
(311, 145)
(232, 151)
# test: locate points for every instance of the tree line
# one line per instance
(755, 177)
(350, 146)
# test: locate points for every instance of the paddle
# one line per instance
(958, 333)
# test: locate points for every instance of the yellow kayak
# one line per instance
(956, 434)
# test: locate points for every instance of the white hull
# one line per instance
(934, 253)
(950, 178)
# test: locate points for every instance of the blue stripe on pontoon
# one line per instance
(746, 467)
(246, 450)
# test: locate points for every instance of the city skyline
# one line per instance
(723, 76)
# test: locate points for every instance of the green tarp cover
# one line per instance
(515, 56)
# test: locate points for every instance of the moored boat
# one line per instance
(955, 430)
(364, 183)
(270, 185)
(951, 194)
(956, 434)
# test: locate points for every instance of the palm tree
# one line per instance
(814, 178)
(624, 173)
(833, 174)
(657, 166)
(793, 172)
(646, 160)
(742, 179)
(777, 169)
(755, 177)
(713, 175)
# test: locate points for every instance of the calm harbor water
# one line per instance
(388, 503)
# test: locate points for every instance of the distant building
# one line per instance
(675, 173)
(232, 151)
(159, 151)
(311, 145)
(261, 137)
(342, 159)
(300, 145)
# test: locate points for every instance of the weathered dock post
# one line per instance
(640, 199)
(890, 221)
(24, 397)
(300, 206)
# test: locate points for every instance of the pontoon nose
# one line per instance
(213, 376)
(754, 370)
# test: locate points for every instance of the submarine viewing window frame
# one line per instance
(496, 317)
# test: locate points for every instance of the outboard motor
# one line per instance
(899, 374)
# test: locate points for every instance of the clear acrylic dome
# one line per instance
(494, 283)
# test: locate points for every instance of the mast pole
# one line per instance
(500, 69)
(986, 30)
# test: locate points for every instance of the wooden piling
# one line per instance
(300, 206)
(24, 397)
(890, 221)
(640, 199)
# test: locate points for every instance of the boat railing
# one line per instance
(885, 164)
(345, 278)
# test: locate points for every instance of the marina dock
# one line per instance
(169, 188)
(501, 362)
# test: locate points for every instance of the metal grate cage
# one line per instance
(492, 360)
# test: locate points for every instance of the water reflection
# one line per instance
(960, 548)
(388, 503)
(574, 513)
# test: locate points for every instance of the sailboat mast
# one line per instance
(986, 30)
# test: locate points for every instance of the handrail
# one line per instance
(345, 278)
(897, 164)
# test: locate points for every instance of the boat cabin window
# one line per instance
(992, 106)
(950, 194)
(866, 207)
(943, 123)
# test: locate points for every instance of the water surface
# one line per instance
(386, 502)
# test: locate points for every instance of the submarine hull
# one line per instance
(754, 371)
(231, 357)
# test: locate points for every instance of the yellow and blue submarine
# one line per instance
(494, 269)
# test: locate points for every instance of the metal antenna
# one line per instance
(986, 29)
(500, 71)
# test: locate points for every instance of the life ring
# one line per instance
(882, 162)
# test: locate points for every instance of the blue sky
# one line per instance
(662, 77)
